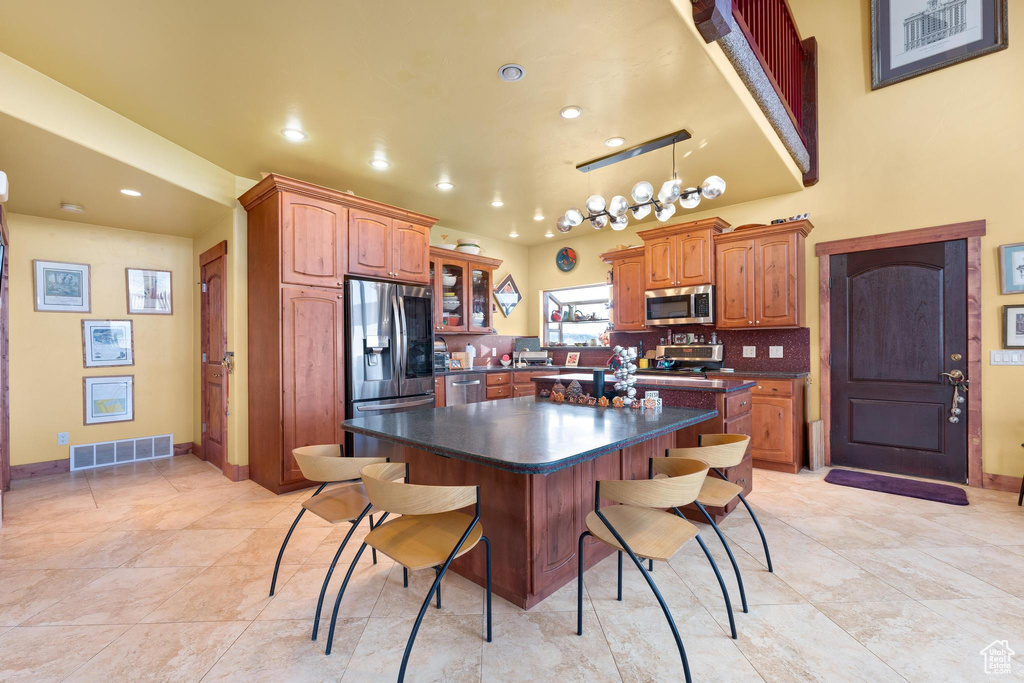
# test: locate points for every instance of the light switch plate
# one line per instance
(750, 352)
(775, 352)
(1002, 357)
(62, 438)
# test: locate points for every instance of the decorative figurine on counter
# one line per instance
(544, 393)
(559, 388)
(603, 402)
(617, 402)
(623, 363)
(574, 390)
(557, 397)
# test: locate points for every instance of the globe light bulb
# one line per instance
(665, 212)
(595, 204)
(600, 222)
(642, 192)
(563, 225)
(641, 212)
(573, 217)
(669, 192)
(690, 198)
(619, 223)
(713, 187)
(618, 206)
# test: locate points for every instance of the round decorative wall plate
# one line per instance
(565, 259)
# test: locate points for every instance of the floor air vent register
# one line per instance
(92, 455)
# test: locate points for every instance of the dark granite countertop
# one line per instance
(663, 382)
(763, 374)
(525, 435)
(532, 368)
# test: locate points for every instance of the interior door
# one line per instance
(898, 321)
(214, 343)
(5, 405)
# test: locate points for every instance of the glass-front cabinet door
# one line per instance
(480, 299)
(452, 295)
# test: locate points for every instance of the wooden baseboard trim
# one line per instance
(40, 469)
(183, 448)
(197, 450)
(999, 482)
(235, 472)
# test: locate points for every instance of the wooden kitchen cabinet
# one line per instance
(628, 283)
(760, 276)
(469, 292)
(681, 255)
(777, 429)
(299, 252)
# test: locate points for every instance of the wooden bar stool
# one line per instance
(430, 533)
(344, 503)
(720, 451)
(642, 527)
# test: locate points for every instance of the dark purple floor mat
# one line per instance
(912, 488)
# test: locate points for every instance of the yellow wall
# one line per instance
(46, 348)
(515, 260)
(941, 148)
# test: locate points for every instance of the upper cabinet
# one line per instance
(462, 286)
(681, 255)
(411, 248)
(628, 283)
(760, 276)
(312, 241)
(387, 248)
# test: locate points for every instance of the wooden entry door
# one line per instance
(213, 358)
(898, 321)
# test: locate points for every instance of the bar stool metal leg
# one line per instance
(330, 570)
(750, 511)
(337, 603)
(579, 584)
(721, 584)
(487, 542)
(287, 537)
(735, 567)
(619, 596)
(437, 572)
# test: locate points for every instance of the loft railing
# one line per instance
(774, 38)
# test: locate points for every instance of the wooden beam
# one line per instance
(711, 18)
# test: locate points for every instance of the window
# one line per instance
(583, 312)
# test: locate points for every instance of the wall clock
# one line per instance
(565, 259)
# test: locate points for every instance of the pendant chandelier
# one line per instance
(616, 212)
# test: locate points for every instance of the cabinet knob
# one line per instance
(340, 284)
(340, 296)
(759, 386)
(757, 322)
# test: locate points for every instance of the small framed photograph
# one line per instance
(106, 343)
(1013, 327)
(573, 359)
(1011, 268)
(62, 286)
(109, 399)
(455, 364)
(913, 37)
(149, 291)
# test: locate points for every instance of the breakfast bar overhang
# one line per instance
(536, 463)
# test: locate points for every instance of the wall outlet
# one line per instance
(1007, 358)
(775, 352)
(62, 438)
(750, 352)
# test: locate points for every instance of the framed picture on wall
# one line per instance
(913, 37)
(61, 286)
(572, 360)
(1011, 268)
(1013, 327)
(149, 291)
(106, 343)
(109, 399)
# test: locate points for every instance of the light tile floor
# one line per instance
(160, 571)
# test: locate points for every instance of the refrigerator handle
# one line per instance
(398, 341)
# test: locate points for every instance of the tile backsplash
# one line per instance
(796, 345)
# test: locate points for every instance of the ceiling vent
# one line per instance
(511, 73)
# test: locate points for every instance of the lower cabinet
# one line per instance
(499, 385)
(777, 432)
(439, 391)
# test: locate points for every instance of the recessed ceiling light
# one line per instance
(131, 193)
(380, 163)
(497, 203)
(513, 234)
(294, 134)
(615, 142)
(72, 208)
(539, 217)
(571, 112)
(511, 73)
(445, 185)
(549, 234)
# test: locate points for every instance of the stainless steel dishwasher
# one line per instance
(464, 388)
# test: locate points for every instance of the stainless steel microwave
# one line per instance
(681, 305)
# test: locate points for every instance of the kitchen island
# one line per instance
(730, 398)
(535, 463)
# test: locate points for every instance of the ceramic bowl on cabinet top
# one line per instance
(468, 249)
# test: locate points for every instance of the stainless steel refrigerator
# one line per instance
(390, 346)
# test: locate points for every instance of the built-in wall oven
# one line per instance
(681, 305)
